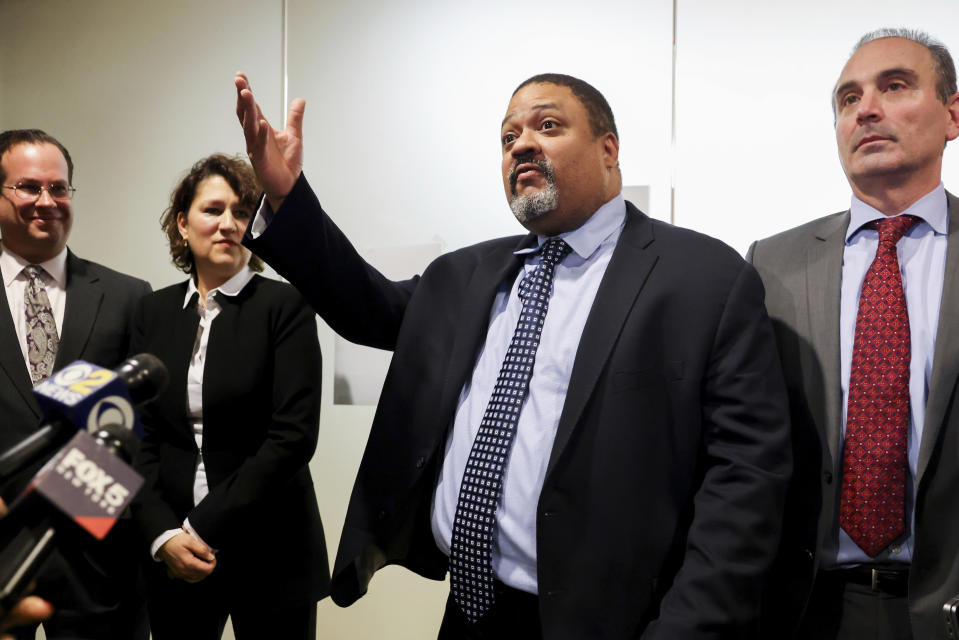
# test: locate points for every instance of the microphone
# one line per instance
(84, 396)
(89, 481)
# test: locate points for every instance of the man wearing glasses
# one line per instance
(61, 309)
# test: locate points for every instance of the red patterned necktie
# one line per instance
(872, 506)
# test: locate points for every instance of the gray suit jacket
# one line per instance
(801, 270)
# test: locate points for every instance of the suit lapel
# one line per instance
(182, 338)
(945, 361)
(629, 267)
(84, 296)
(500, 266)
(11, 356)
(823, 266)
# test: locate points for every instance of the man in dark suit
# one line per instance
(646, 455)
(866, 321)
(65, 310)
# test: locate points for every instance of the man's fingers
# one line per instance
(197, 549)
(294, 118)
(247, 111)
(30, 609)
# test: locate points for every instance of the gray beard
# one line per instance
(529, 207)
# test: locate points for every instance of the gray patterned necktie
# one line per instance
(471, 562)
(42, 339)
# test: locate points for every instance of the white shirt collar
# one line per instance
(12, 265)
(932, 207)
(231, 287)
(585, 239)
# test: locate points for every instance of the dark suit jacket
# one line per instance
(802, 271)
(661, 504)
(261, 412)
(97, 320)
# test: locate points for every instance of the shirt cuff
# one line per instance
(189, 529)
(160, 541)
(262, 219)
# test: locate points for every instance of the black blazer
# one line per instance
(97, 321)
(661, 505)
(90, 578)
(261, 409)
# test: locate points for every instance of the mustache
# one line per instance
(544, 165)
(870, 132)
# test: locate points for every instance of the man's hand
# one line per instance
(30, 609)
(277, 156)
(187, 558)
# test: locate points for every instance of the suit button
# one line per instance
(828, 477)
(381, 515)
(420, 462)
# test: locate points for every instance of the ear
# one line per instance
(181, 224)
(952, 105)
(610, 149)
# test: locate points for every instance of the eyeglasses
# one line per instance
(32, 192)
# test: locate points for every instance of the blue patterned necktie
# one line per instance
(471, 563)
(42, 339)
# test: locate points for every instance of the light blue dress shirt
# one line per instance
(922, 257)
(575, 284)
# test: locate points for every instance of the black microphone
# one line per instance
(88, 482)
(84, 396)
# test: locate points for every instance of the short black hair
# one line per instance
(12, 137)
(600, 114)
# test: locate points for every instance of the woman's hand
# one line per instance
(187, 558)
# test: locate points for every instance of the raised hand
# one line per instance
(277, 156)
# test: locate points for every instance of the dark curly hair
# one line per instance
(238, 174)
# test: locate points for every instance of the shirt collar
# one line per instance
(933, 208)
(231, 287)
(585, 239)
(11, 265)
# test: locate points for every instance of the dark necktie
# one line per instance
(872, 506)
(471, 563)
(42, 339)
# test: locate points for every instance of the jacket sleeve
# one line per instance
(738, 506)
(151, 513)
(304, 246)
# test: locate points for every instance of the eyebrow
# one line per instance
(538, 107)
(883, 75)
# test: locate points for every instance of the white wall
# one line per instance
(404, 104)
(137, 91)
(755, 138)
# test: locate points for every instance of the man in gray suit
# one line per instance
(57, 308)
(867, 323)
